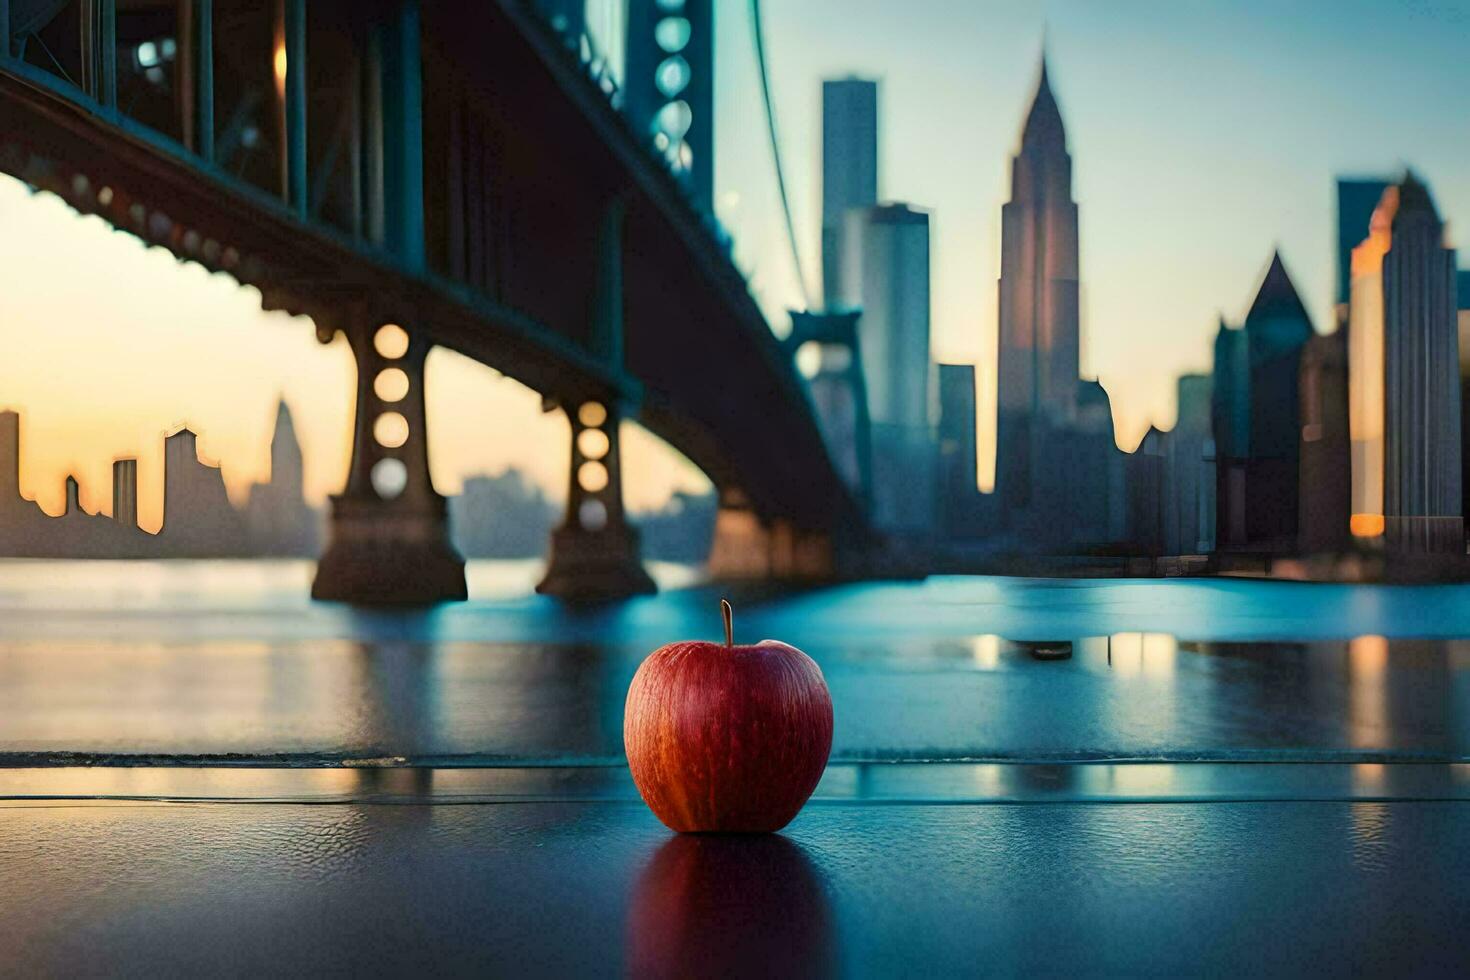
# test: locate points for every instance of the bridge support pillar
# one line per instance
(388, 538)
(595, 552)
(747, 548)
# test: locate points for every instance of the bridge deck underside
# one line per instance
(698, 363)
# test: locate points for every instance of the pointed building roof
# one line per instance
(1414, 197)
(1277, 295)
(1044, 128)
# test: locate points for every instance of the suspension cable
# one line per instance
(760, 57)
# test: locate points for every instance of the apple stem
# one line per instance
(729, 616)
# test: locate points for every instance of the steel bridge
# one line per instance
(413, 173)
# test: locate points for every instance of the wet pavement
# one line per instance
(596, 887)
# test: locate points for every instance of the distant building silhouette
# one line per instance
(1422, 494)
(1257, 419)
(961, 506)
(504, 516)
(125, 492)
(278, 519)
(682, 530)
(198, 518)
(849, 170)
(886, 275)
(1325, 476)
(1462, 290)
(9, 462)
(1190, 527)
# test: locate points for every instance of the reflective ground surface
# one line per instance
(200, 771)
(597, 889)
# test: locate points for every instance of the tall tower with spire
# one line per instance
(279, 519)
(1039, 329)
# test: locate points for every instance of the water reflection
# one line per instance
(229, 672)
(748, 906)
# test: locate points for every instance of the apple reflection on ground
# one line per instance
(747, 905)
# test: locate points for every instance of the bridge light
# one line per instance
(592, 414)
(593, 443)
(279, 62)
(390, 430)
(389, 478)
(592, 477)
(391, 341)
(147, 54)
(391, 384)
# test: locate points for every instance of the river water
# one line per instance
(210, 662)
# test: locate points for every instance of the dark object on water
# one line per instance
(1048, 649)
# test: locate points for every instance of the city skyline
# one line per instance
(1187, 186)
(287, 360)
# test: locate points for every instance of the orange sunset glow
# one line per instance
(110, 343)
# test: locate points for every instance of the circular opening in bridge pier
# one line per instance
(591, 414)
(673, 76)
(391, 341)
(389, 478)
(592, 477)
(674, 119)
(593, 443)
(391, 430)
(391, 384)
(592, 515)
(672, 33)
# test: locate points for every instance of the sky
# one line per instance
(1203, 135)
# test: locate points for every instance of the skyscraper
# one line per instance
(1039, 329)
(1257, 418)
(849, 169)
(886, 272)
(1365, 365)
(9, 460)
(279, 520)
(125, 492)
(1421, 486)
(959, 492)
(198, 519)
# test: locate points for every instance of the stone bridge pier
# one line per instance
(388, 535)
(594, 552)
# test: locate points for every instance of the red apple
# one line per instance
(727, 738)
